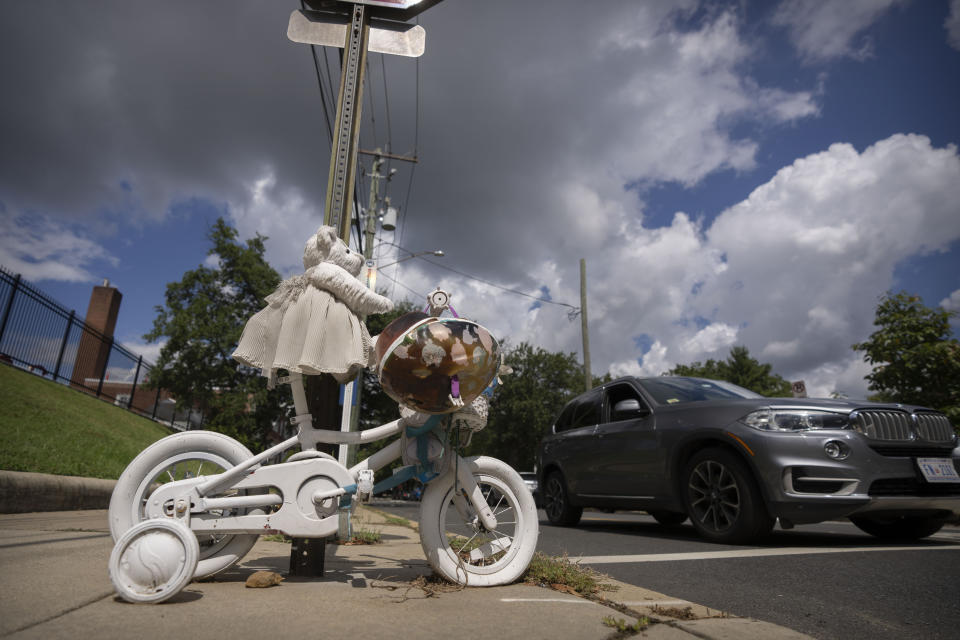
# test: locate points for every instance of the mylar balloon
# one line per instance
(425, 363)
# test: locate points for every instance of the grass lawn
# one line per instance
(49, 428)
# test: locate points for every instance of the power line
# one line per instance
(416, 152)
(373, 117)
(573, 310)
(386, 101)
(395, 281)
(323, 98)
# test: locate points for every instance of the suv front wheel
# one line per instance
(556, 502)
(722, 499)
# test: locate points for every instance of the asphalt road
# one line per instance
(828, 580)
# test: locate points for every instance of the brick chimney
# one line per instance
(93, 351)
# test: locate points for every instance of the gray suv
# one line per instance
(734, 462)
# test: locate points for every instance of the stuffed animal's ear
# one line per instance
(326, 238)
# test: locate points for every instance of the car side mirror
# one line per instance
(628, 409)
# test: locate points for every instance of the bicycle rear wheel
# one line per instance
(176, 457)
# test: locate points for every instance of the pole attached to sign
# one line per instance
(343, 157)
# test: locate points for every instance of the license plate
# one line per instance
(938, 469)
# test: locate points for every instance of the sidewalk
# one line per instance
(54, 581)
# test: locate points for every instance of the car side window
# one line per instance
(623, 402)
(586, 411)
(564, 421)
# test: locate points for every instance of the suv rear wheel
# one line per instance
(557, 503)
(722, 499)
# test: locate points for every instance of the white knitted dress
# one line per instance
(311, 325)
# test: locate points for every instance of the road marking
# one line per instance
(746, 553)
(563, 600)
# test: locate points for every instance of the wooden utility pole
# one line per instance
(588, 378)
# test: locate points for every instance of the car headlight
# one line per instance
(795, 420)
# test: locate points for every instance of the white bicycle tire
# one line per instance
(133, 485)
(154, 560)
(437, 512)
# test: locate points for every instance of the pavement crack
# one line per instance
(85, 603)
(37, 542)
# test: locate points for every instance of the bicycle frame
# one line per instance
(310, 485)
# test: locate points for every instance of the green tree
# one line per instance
(740, 369)
(523, 409)
(202, 319)
(915, 360)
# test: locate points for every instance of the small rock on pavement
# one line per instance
(263, 579)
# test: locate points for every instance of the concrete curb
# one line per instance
(27, 492)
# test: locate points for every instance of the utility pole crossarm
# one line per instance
(390, 156)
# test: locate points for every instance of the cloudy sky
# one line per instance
(745, 172)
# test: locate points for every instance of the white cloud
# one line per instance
(678, 94)
(41, 248)
(808, 252)
(844, 376)
(149, 351)
(824, 30)
(711, 339)
(280, 213)
(952, 302)
(952, 25)
(793, 272)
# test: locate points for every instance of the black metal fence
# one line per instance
(40, 335)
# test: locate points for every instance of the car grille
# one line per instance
(934, 427)
(898, 451)
(884, 425)
(912, 487)
(900, 426)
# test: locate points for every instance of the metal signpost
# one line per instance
(357, 33)
(356, 27)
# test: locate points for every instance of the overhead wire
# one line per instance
(501, 287)
(323, 97)
(373, 115)
(386, 102)
(397, 282)
(402, 218)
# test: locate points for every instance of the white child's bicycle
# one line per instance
(193, 503)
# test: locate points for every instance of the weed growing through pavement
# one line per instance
(401, 522)
(277, 537)
(563, 575)
(686, 613)
(363, 536)
(625, 629)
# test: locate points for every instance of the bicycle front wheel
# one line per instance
(459, 547)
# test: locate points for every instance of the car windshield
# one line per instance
(674, 390)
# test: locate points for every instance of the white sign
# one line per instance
(330, 30)
(393, 4)
(799, 389)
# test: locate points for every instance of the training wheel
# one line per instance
(154, 560)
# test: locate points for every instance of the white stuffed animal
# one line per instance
(310, 324)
